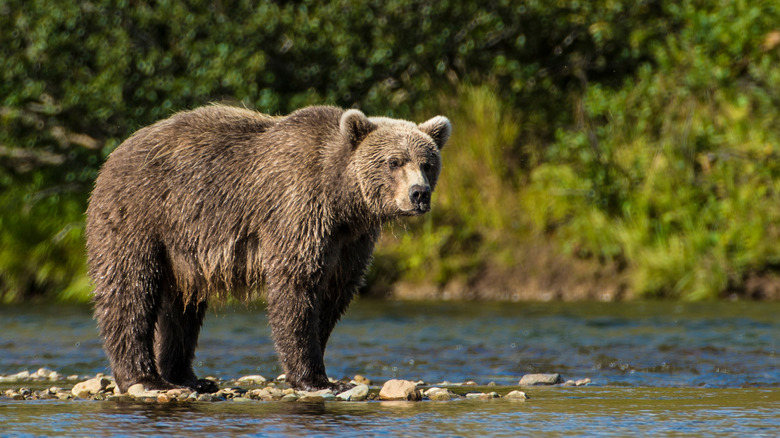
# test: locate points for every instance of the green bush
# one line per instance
(641, 133)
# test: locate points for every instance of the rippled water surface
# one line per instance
(656, 368)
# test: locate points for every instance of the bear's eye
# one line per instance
(426, 167)
(394, 163)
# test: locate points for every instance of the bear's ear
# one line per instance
(355, 126)
(438, 128)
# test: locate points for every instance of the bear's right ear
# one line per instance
(439, 128)
(355, 126)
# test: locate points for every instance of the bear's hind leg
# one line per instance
(178, 327)
(126, 311)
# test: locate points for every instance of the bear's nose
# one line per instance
(420, 194)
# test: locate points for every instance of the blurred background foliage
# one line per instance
(639, 138)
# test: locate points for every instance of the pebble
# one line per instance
(361, 380)
(540, 379)
(254, 379)
(358, 393)
(440, 394)
(138, 391)
(102, 387)
(91, 387)
(289, 398)
(400, 390)
(516, 395)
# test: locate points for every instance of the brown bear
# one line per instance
(223, 200)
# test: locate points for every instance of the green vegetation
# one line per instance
(641, 136)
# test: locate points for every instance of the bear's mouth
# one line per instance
(419, 210)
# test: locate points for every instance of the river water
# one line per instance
(657, 368)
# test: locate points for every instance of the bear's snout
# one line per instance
(420, 195)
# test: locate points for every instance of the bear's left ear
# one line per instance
(438, 128)
(355, 126)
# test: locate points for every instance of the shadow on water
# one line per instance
(550, 412)
(657, 368)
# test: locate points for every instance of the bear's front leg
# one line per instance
(294, 318)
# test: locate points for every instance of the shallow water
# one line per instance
(657, 368)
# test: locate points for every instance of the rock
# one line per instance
(138, 391)
(582, 382)
(320, 393)
(541, 379)
(440, 394)
(45, 373)
(55, 390)
(399, 390)
(310, 399)
(516, 395)
(90, 387)
(164, 397)
(289, 398)
(358, 393)
(18, 377)
(254, 379)
(281, 377)
(470, 383)
(228, 393)
(178, 392)
(241, 399)
(361, 380)
(258, 394)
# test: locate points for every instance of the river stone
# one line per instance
(516, 395)
(399, 390)
(22, 375)
(258, 394)
(582, 382)
(92, 386)
(138, 391)
(540, 379)
(320, 393)
(358, 393)
(440, 394)
(361, 380)
(289, 398)
(45, 373)
(254, 379)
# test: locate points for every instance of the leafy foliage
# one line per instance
(642, 133)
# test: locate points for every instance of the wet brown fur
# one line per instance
(223, 200)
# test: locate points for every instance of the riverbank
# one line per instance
(542, 274)
(257, 388)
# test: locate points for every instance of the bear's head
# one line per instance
(397, 163)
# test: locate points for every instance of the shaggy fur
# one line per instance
(224, 200)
